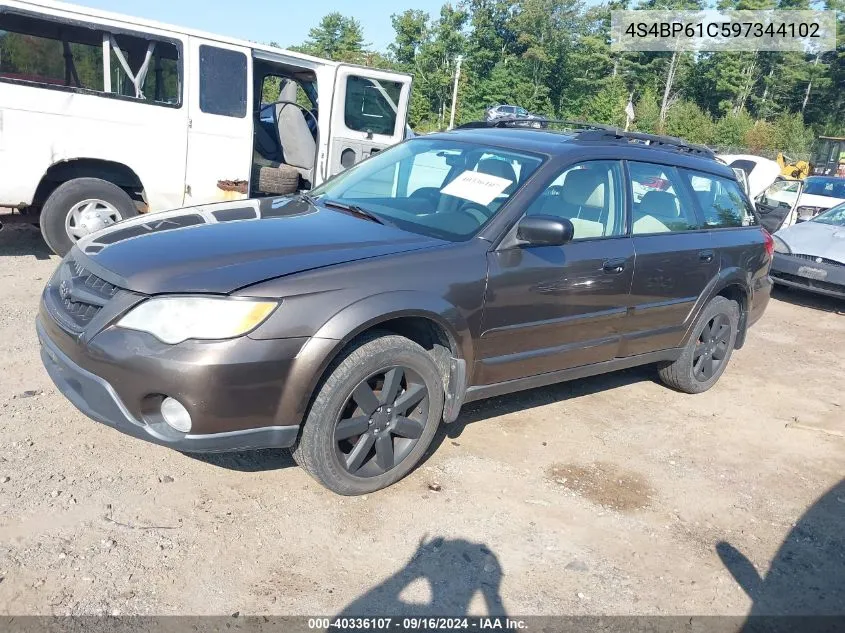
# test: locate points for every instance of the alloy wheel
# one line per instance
(712, 348)
(381, 422)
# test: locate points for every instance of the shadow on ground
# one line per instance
(807, 575)
(23, 239)
(805, 299)
(446, 575)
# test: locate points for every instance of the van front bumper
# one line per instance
(218, 384)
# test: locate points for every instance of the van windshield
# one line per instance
(441, 188)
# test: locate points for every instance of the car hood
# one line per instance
(816, 239)
(222, 247)
(815, 200)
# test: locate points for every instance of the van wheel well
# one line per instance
(115, 173)
(737, 293)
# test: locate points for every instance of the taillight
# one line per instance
(768, 242)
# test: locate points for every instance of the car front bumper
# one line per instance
(807, 274)
(234, 390)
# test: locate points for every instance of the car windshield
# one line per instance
(441, 188)
(781, 193)
(834, 216)
(830, 187)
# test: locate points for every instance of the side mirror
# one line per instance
(544, 230)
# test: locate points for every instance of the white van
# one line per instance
(104, 116)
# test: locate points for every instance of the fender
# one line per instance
(730, 276)
(324, 346)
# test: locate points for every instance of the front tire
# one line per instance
(373, 417)
(708, 350)
(81, 206)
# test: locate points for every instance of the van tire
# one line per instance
(280, 180)
(683, 374)
(58, 206)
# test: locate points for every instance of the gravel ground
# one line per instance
(609, 495)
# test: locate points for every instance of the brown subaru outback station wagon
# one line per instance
(348, 323)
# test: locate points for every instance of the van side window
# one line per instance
(51, 53)
(222, 81)
(588, 194)
(720, 200)
(659, 201)
(160, 81)
(371, 105)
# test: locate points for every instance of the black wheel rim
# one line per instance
(712, 348)
(381, 422)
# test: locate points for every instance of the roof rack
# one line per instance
(599, 132)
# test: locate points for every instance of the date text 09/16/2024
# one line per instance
(416, 623)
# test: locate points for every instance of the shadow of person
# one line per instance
(807, 575)
(455, 571)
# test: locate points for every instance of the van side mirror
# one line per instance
(544, 230)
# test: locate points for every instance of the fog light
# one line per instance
(176, 415)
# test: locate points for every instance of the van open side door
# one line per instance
(369, 114)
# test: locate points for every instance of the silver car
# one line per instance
(811, 254)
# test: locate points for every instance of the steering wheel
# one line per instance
(304, 111)
(478, 211)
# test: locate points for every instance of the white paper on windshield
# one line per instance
(476, 187)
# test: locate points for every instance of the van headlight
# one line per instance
(176, 319)
(781, 246)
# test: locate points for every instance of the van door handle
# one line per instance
(613, 266)
(706, 256)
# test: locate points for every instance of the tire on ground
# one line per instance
(679, 374)
(315, 448)
(57, 207)
(279, 180)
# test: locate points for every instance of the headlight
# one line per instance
(807, 212)
(176, 319)
(781, 246)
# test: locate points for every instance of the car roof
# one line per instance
(558, 143)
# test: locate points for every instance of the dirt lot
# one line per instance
(610, 495)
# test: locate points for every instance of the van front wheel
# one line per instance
(82, 206)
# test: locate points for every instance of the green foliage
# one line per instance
(608, 104)
(337, 37)
(686, 120)
(730, 130)
(647, 110)
(553, 57)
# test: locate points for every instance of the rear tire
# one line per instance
(708, 350)
(343, 419)
(110, 201)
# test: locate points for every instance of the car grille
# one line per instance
(76, 295)
(820, 260)
(809, 283)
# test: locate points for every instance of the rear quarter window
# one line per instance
(720, 199)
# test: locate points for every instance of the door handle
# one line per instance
(613, 266)
(706, 256)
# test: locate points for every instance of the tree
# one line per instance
(411, 28)
(336, 37)
(608, 104)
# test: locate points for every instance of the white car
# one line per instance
(760, 172)
(789, 202)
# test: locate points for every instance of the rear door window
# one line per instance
(222, 82)
(660, 202)
(371, 105)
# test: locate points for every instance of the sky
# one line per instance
(286, 22)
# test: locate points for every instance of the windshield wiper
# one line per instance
(355, 210)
